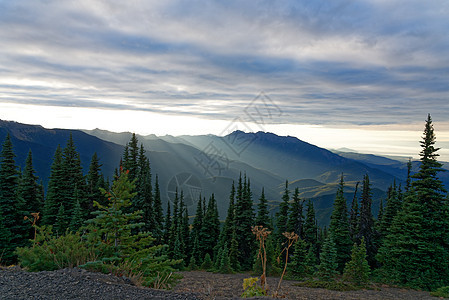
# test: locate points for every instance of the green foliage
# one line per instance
(442, 292)
(225, 263)
(50, 252)
(357, 270)
(207, 263)
(339, 228)
(415, 253)
(297, 267)
(282, 215)
(328, 265)
(192, 264)
(262, 218)
(252, 289)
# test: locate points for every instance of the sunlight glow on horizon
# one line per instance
(395, 140)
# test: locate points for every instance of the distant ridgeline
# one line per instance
(201, 195)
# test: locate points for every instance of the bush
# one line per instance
(251, 288)
(441, 292)
(50, 253)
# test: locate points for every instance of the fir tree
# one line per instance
(416, 250)
(95, 181)
(262, 218)
(158, 213)
(354, 216)
(167, 224)
(295, 217)
(210, 229)
(225, 263)
(282, 215)
(29, 191)
(62, 221)
(328, 260)
(391, 210)
(366, 227)
(310, 228)
(144, 197)
(55, 189)
(357, 270)
(9, 205)
(297, 267)
(244, 218)
(195, 235)
(76, 220)
(339, 227)
(207, 262)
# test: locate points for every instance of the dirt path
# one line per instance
(224, 286)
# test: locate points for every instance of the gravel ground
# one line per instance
(81, 284)
(75, 284)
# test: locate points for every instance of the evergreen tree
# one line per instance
(229, 224)
(29, 191)
(197, 231)
(310, 228)
(210, 229)
(262, 218)
(144, 197)
(62, 221)
(9, 205)
(158, 213)
(225, 263)
(167, 225)
(328, 260)
(131, 157)
(55, 190)
(282, 215)
(354, 216)
(295, 217)
(391, 210)
(95, 181)
(76, 220)
(74, 184)
(244, 218)
(367, 230)
(357, 270)
(297, 267)
(207, 262)
(416, 250)
(339, 228)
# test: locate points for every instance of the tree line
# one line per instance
(407, 243)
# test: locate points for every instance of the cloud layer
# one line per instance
(322, 62)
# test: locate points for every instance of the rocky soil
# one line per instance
(80, 284)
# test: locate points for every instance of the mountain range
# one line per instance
(206, 164)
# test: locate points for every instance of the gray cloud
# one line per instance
(323, 62)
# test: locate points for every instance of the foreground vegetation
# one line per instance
(122, 228)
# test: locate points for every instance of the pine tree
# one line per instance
(95, 181)
(74, 184)
(207, 262)
(310, 228)
(55, 190)
(416, 250)
(357, 270)
(62, 221)
(76, 220)
(167, 224)
(158, 213)
(295, 217)
(367, 230)
(225, 263)
(29, 190)
(354, 216)
(244, 218)
(297, 267)
(144, 197)
(282, 215)
(328, 260)
(197, 231)
(262, 218)
(210, 229)
(339, 228)
(229, 225)
(9, 204)
(392, 208)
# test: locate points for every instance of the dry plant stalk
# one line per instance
(261, 235)
(291, 239)
(33, 222)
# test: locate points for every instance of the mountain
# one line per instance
(208, 164)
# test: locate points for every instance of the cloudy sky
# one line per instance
(357, 74)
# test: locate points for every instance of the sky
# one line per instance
(359, 74)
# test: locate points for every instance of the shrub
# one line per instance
(49, 252)
(441, 292)
(251, 288)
